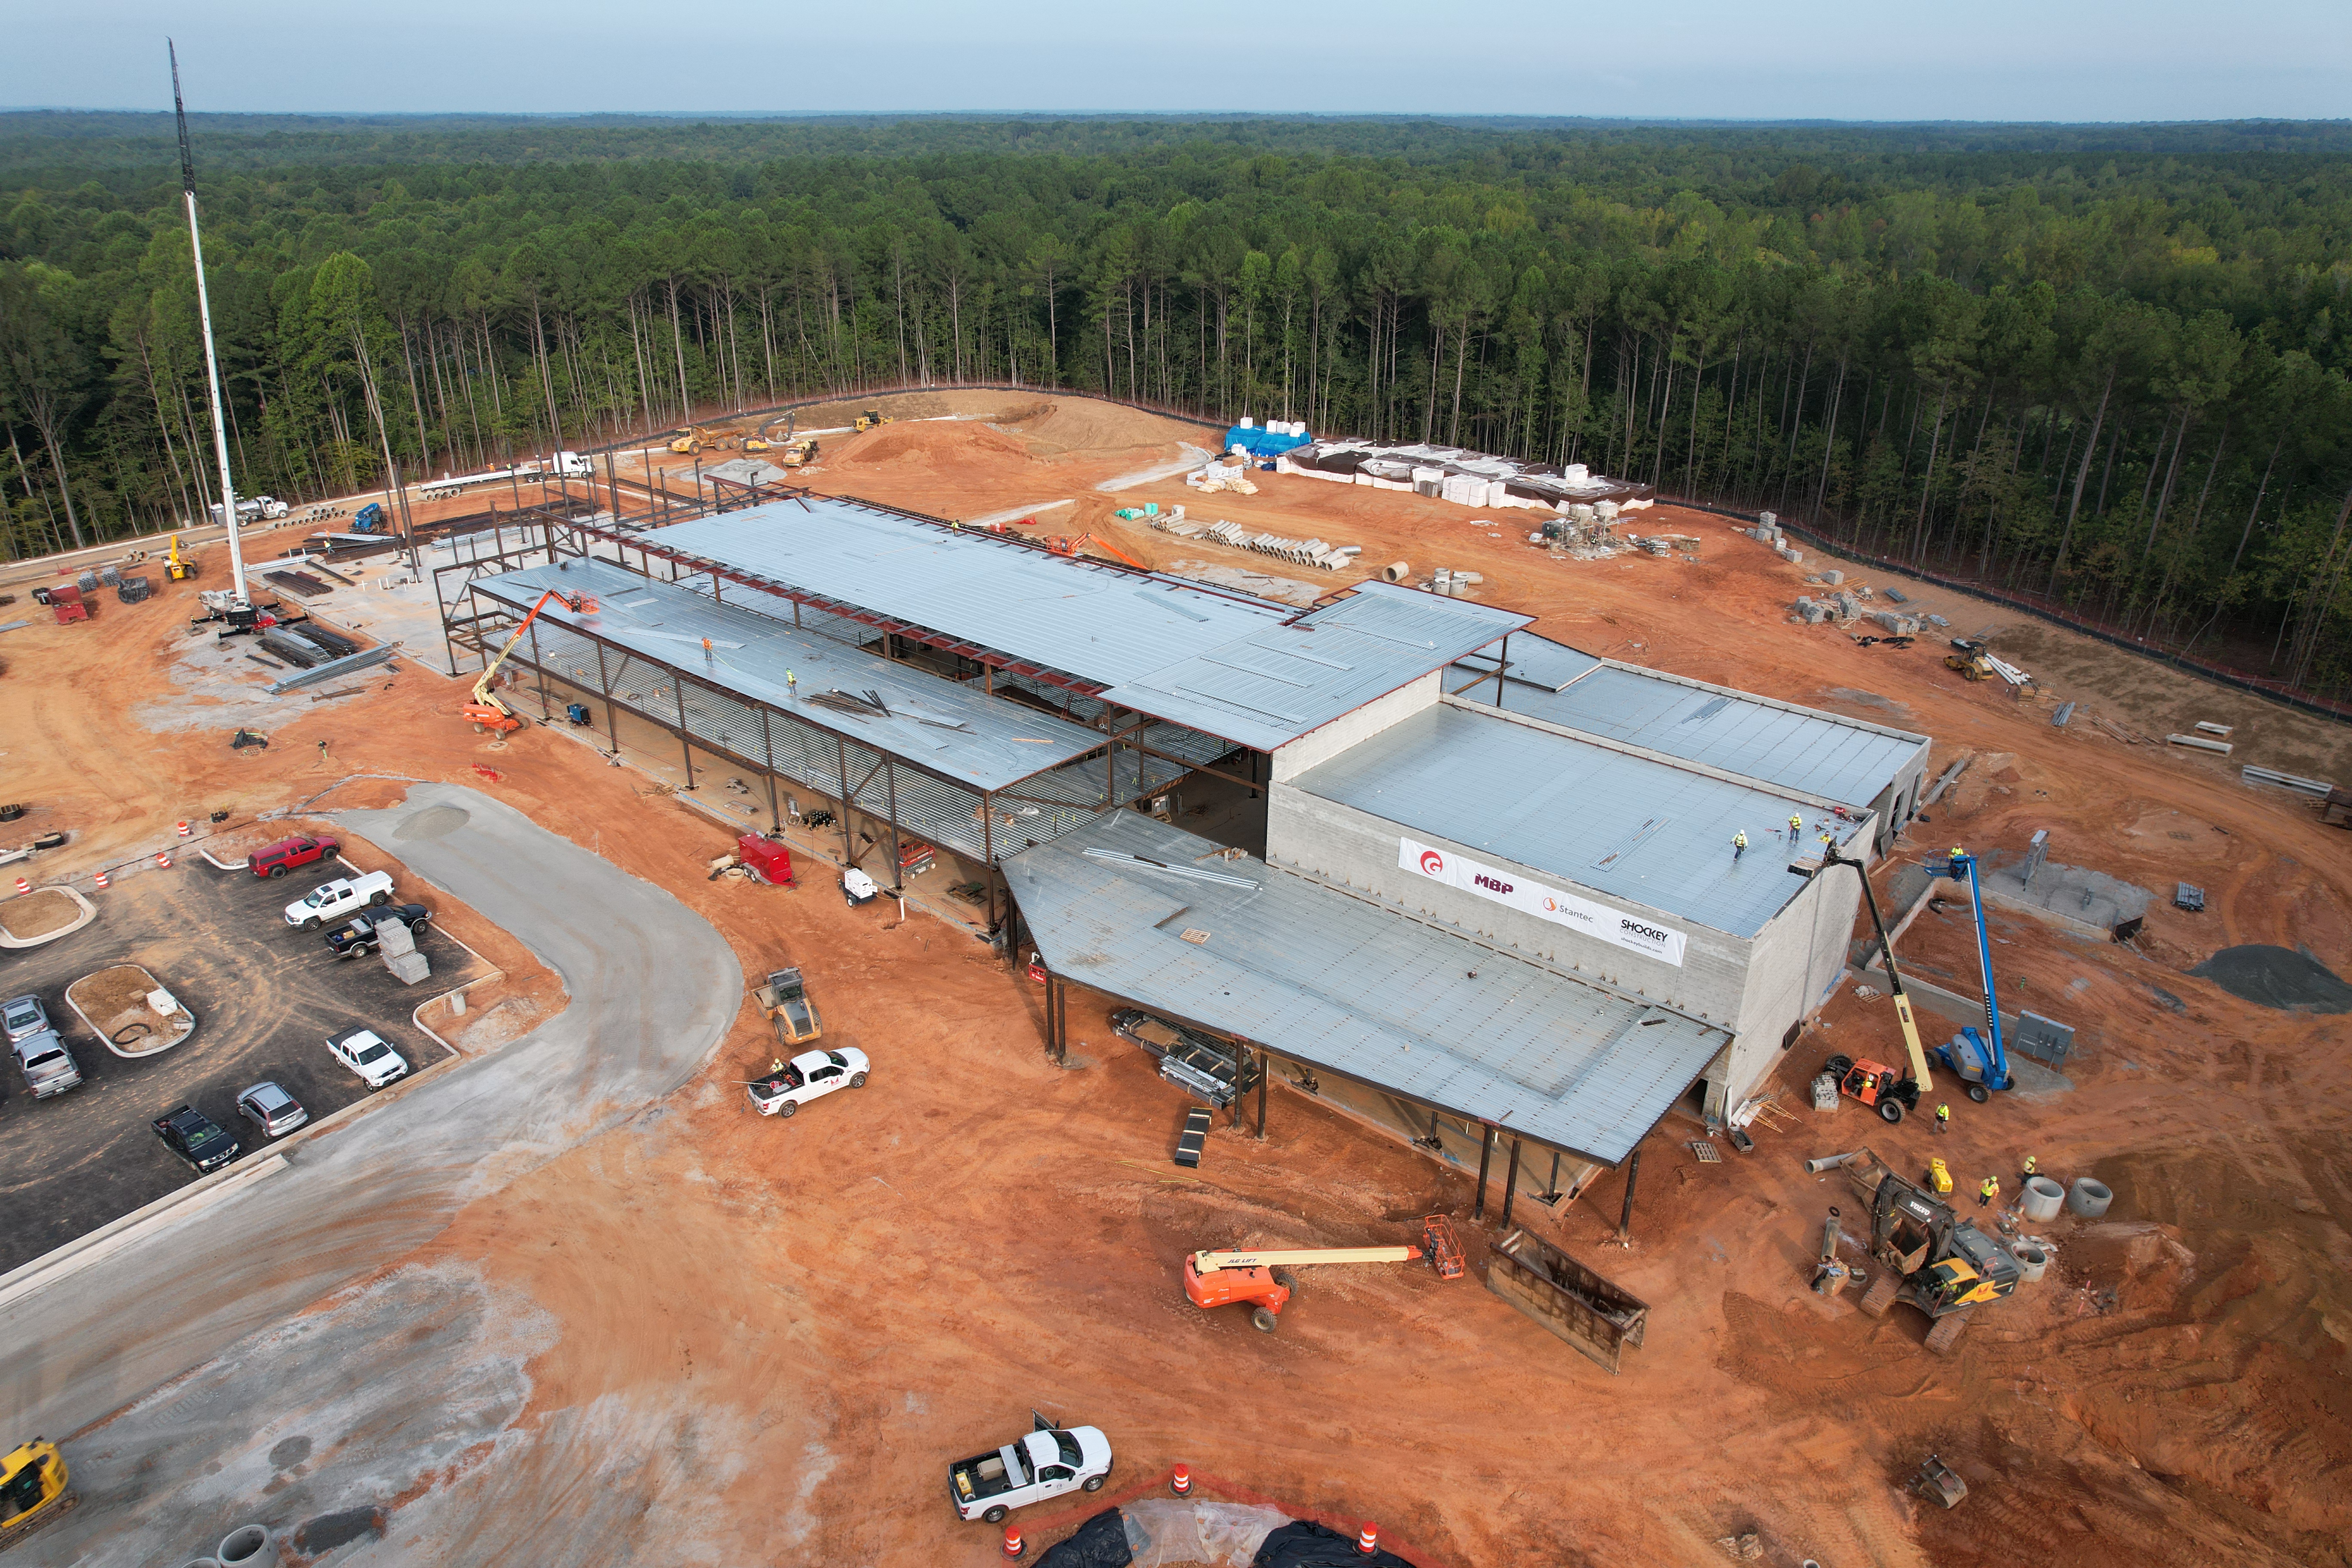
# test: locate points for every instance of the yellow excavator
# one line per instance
(33, 1490)
(870, 418)
(488, 709)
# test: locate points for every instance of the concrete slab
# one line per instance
(2090, 904)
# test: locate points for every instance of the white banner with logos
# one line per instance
(1593, 920)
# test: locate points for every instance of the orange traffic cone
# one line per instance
(184, 830)
(1013, 1544)
(1368, 1542)
(1181, 1483)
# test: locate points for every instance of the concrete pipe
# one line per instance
(2032, 1262)
(1396, 571)
(249, 1546)
(1828, 1163)
(2089, 1198)
(2042, 1199)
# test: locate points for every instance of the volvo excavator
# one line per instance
(488, 709)
(1927, 1256)
(34, 1490)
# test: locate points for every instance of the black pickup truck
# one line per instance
(1206, 1069)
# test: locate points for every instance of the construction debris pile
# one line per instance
(1300, 551)
(1463, 478)
(1234, 476)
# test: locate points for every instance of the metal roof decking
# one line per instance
(999, 742)
(1348, 987)
(1776, 743)
(1252, 672)
(1647, 831)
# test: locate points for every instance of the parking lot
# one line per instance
(266, 996)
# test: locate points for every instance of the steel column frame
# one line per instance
(841, 750)
(988, 849)
(1264, 1071)
(685, 746)
(891, 806)
(1502, 663)
(1625, 1218)
(1485, 1153)
(768, 757)
(1511, 1182)
(605, 686)
(539, 667)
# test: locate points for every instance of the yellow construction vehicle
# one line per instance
(1927, 1256)
(697, 437)
(1919, 1075)
(488, 710)
(179, 567)
(785, 999)
(870, 418)
(799, 451)
(1968, 659)
(33, 1490)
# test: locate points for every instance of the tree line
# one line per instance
(2108, 368)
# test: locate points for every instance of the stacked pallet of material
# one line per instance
(1301, 552)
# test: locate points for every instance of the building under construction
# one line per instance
(1473, 885)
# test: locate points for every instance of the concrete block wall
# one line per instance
(1359, 850)
(1349, 729)
(1791, 965)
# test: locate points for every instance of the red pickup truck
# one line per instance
(287, 853)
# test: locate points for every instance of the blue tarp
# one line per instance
(1262, 443)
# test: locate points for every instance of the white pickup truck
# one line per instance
(1046, 1463)
(338, 899)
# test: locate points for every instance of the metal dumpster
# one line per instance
(1566, 1298)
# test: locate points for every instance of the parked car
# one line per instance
(366, 1053)
(809, 1076)
(359, 939)
(287, 853)
(271, 1109)
(344, 896)
(23, 1016)
(48, 1068)
(1045, 1463)
(197, 1138)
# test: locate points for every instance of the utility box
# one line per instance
(2044, 1039)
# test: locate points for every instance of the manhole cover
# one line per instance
(434, 822)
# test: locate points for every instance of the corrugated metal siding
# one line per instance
(1534, 661)
(1344, 985)
(1637, 829)
(1161, 646)
(1798, 748)
(653, 624)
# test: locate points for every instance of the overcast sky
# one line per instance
(1811, 59)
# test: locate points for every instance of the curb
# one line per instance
(89, 913)
(99, 1035)
(62, 1263)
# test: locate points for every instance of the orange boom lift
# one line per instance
(488, 712)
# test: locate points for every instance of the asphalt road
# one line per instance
(266, 997)
(653, 990)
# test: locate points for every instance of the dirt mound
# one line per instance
(930, 444)
(2277, 977)
(1079, 424)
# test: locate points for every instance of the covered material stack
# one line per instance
(1462, 476)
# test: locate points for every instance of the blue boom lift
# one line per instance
(1978, 1059)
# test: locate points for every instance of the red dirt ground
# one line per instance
(842, 1302)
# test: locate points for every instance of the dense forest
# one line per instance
(2106, 366)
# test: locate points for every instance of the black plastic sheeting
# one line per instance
(1303, 1543)
(1100, 1543)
